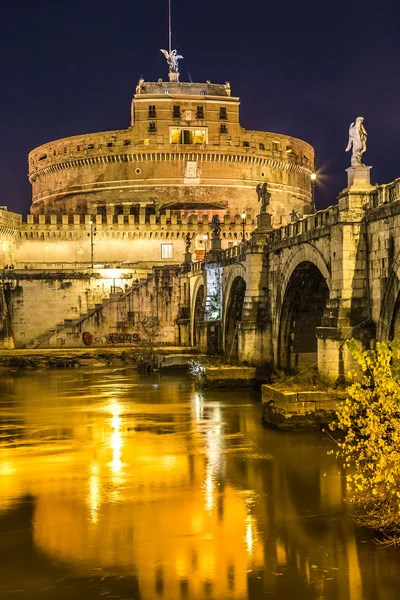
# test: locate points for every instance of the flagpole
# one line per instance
(169, 26)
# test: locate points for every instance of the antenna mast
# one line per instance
(172, 56)
(169, 27)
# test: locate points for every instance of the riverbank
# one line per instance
(172, 356)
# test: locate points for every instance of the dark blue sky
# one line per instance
(303, 68)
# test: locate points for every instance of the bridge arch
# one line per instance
(388, 326)
(234, 289)
(197, 309)
(301, 301)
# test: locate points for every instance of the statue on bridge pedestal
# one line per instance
(188, 242)
(263, 196)
(357, 141)
(215, 226)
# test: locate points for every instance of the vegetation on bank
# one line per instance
(370, 446)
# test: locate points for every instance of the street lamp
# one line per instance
(313, 179)
(205, 238)
(243, 215)
(92, 235)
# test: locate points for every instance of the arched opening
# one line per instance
(234, 311)
(198, 315)
(305, 300)
(394, 331)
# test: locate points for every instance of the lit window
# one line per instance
(188, 136)
(202, 93)
(166, 250)
(166, 92)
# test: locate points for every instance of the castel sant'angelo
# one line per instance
(184, 158)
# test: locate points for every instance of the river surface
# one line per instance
(114, 485)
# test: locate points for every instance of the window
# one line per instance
(275, 146)
(166, 92)
(176, 114)
(246, 145)
(152, 127)
(222, 112)
(202, 93)
(166, 250)
(261, 146)
(200, 112)
(188, 136)
(109, 144)
(152, 112)
(222, 128)
(127, 142)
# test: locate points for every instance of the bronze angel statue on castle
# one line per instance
(172, 59)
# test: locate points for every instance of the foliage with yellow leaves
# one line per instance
(370, 448)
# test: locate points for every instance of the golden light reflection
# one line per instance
(94, 496)
(116, 438)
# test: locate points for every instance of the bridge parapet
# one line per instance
(306, 225)
(384, 194)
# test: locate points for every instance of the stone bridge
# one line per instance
(293, 296)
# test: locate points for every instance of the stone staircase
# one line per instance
(71, 324)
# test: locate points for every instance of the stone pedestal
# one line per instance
(188, 258)
(216, 243)
(359, 177)
(264, 222)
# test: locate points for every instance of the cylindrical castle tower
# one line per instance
(184, 151)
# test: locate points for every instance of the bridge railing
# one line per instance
(306, 224)
(384, 194)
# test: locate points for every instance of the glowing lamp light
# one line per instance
(243, 215)
(313, 176)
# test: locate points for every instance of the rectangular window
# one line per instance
(261, 146)
(275, 146)
(188, 136)
(246, 145)
(90, 147)
(166, 250)
(127, 142)
(152, 127)
(222, 112)
(152, 111)
(222, 128)
(176, 113)
(200, 112)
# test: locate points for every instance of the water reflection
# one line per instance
(185, 491)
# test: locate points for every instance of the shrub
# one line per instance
(370, 449)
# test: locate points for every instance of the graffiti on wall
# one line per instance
(112, 338)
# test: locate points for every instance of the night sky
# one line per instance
(302, 68)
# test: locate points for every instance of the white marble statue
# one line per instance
(357, 141)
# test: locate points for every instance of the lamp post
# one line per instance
(243, 215)
(205, 238)
(92, 235)
(313, 179)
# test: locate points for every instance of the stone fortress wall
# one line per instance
(151, 166)
(64, 241)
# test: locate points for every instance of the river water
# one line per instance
(114, 485)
